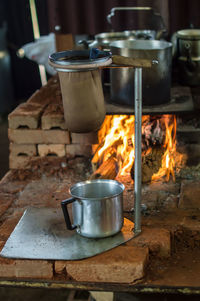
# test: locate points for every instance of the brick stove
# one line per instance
(45, 159)
(38, 134)
(37, 129)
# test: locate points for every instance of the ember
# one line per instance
(114, 156)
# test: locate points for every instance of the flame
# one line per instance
(168, 160)
(116, 140)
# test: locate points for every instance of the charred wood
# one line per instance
(151, 163)
(107, 170)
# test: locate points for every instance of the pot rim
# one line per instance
(189, 34)
(89, 182)
(125, 33)
(151, 45)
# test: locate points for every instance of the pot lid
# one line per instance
(79, 60)
(189, 34)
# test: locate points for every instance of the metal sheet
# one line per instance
(41, 234)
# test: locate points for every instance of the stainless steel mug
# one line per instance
(97, 208)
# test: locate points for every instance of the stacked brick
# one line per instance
(37, 130)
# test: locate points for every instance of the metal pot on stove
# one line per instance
(187, 49)
(156, 80)
(103, 40)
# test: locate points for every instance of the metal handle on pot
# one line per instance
(66, 213)
(190, 63)
(160, 32)
(113, 10)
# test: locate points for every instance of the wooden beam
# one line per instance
(131, 62)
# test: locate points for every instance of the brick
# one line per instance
(189, 149)
(190, 195)
(85, 138)
(149, 198)
(50, 93)
(10, 184)
(39, 193)
(39, 269)
(51, 149)
(24, 136)
(9, 225)
(169, 187)
(25, 162)
(73, 150)
(53, 117)
(157, 240)
(2, 243)
(22, 149)
(20, 162)
(38, 98)
(123, 264)
(168, 202)
(27, 115)
(6, 200)
(192, 224)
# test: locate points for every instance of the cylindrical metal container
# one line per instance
(156, 80)
(97, 208)
(188, 44)
(104, 39)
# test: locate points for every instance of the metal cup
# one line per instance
(97, 208)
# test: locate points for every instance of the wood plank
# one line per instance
(132, 62)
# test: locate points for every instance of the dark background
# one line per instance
(80, 17)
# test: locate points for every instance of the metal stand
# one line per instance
(137, 65)
(138, 149)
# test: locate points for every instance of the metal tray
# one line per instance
(41, 234)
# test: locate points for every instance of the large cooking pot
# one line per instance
(97, 208)
(103, 40)
(156, 80)
(154, 20)
(188, 52)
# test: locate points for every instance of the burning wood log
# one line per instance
(151, 163)
(107, 170)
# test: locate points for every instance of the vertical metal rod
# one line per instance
(36, 34)
(138, 150)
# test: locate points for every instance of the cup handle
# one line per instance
(66, 214)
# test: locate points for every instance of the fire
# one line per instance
(116, 144)
(168, 160)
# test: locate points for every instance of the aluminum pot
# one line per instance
(156, 80)
(104, 39)
(97, 208)
(188, 51)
